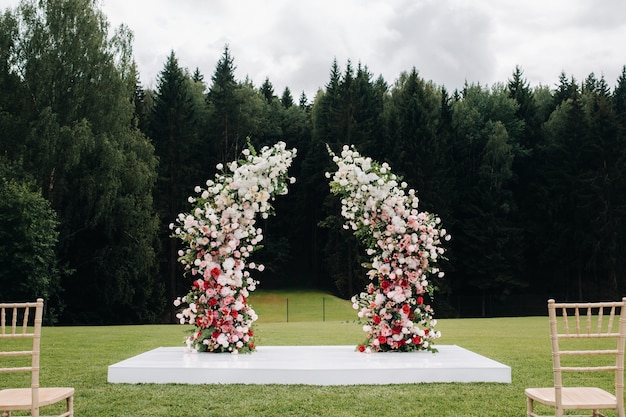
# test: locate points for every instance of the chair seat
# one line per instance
(20, 398)
(575, 398)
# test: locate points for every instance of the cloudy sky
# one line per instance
(293, 43)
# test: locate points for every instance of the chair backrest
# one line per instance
(21, 321)
(588, 321)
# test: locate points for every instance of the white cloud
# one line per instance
(447, 41)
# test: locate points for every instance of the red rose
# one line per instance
(212, 301)
(382, 340)
(215, 272)
(250, 333)
(234, 313)
(426, 331)
(406, 309)
(420, 300)
(361, 348)
(376, 319)
(417, 340)
(251, 345)
(396, 330)
(385, 285)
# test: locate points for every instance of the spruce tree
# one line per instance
(224, 105)
(174, 134)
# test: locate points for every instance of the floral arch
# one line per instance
(220, 233)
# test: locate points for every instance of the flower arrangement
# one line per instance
(404, 245)
(218, 236)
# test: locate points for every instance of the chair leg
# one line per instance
(70, 406)
(529, 407)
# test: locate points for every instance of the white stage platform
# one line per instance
(311, 365)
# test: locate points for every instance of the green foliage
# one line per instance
(417, 148)
(28, 243)
(267, 90)
(78, 139)
(174, 127)
(286, 99)
(225, 136)
(486, 237)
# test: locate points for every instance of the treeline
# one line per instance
(529, 180)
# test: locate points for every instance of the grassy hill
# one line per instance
(300, 305)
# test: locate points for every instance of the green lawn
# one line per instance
(79, 357)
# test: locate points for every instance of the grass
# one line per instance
(80, 356)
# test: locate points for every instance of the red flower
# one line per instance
(417, 340)
(234, 313)
(385, 285)
(382, 340)
(376, 319)
(361, 348)
(406, 309)
(251, 345)
(420, 300)
(250, 333)
(215, 272)
(212, 301)
(396, 330)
